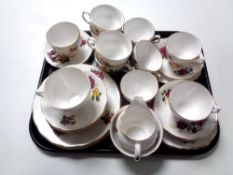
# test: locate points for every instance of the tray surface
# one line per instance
(106, 145)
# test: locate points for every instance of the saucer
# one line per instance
(82, 55)
(175, 143)
(184, 132)
(91, 135)
(66, 121)
(177, 72)
(114, 133)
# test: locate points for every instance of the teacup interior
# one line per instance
(139, 83)
(189, 46)
(67, 88)
(137, 29)
(148, 56)
(137, 124)
(113, 45)
(107, 17)
(63, 34)
(191, 100)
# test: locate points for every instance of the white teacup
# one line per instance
(66, 89)
(137, 29)
(191, 102)
(104, 18)
(112, 47)
(64, 38)
(184, 48)
(139, 83)
(147, 56)
(137, 127)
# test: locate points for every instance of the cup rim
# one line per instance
(97, 50)
(73, 106)
(123, 132)
(136, 55)
(174, 57)
(123, 80)
(139, 18)
(108, 6)
(62, 47)
(182, 117)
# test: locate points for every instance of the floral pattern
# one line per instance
(192, 127)
(55, 57)
(163, 52)
(183, 71)
(96, 94)
(68, 120)
(100, 74)
(107, 118)
(165, 95)
(83, 42)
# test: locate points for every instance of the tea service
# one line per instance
(77, 105)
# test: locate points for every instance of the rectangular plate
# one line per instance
(106, 146)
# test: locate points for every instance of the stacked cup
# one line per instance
(183, 58)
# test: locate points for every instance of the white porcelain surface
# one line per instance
(112, 46)
(176, 71)
(82, 55)
(173, 142)
(136, 29)
(185, 132)
(124, 149)
(63, 37)
(191, 101)
(137, 127)
(183, 46)
(63, 91)
(89, 136)
(139, 83)
(91, 111)
(147, 56)
(105, 17)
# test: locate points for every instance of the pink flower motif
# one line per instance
(92, 81)
(82, 42)
(163, 52)
(98, 73)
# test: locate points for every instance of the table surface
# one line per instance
(23, 25)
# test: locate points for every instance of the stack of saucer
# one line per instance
(188, 114)
(74, 116)
(182, 57)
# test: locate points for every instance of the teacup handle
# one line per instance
(85, 18)
(91, 42)
(156, 39)
(216, 109)
(137, 151)
(39, 93)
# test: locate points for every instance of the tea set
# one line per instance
(79, 104)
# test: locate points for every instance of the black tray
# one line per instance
(106, 146)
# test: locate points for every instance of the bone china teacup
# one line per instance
(66, 89)
(191, 102)
(137, 127)
(112, 47)
(184, 48)
(63, 37)
(104, 18)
